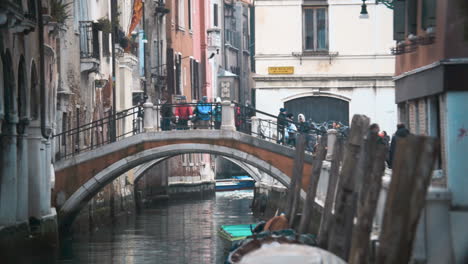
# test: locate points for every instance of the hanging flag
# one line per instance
(137, 14)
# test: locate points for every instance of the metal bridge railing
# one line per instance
(99, 132)
(186, 116)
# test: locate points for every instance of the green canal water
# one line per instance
(176, 231)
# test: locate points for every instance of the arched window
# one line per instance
(9, 87)
(2, 89)
(34, 94)
(22, 90)
(320, 108)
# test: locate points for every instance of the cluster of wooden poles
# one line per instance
(355, 180)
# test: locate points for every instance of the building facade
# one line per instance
(321, 59)
(28, 87)
(432, 95)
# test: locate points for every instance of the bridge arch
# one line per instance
(83, 195)
(80, 177)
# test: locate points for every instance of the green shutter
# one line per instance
(399, 15)
(428, 14)
(412, 14)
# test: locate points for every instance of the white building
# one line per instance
(331, 64)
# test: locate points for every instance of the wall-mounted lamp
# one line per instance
(364, 13)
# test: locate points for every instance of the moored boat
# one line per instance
(235, 183)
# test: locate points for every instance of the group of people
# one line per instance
(287, 130)
(199, 115)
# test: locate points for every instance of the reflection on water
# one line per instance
(177, 231)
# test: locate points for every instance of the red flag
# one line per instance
(137, 14)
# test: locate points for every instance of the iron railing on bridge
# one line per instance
(99, 132)
(185, 116)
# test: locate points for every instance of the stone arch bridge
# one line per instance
(79, 178)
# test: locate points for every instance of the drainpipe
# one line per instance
(44, 131)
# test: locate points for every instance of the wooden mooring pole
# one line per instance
(309, 202)
(327, 215)
(296, 181)
(412, 170)
(346, 198)
(373, 168)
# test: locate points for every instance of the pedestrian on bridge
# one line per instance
(203, 112)
(281, 124)
(304, 128)
(217, 111)
(291, 130)
(183, 114)
(166, 114)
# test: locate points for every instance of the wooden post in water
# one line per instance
(327, 216)
(296, 181)
(312, 188)
(412, 171)
(373, 168)
(346, 197)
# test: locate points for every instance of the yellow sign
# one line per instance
(280, 70)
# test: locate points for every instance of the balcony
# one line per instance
(89, 47)
(214, 38)
(13, 15)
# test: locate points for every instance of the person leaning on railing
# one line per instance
(281, 124)
(203, 113)
(217, 111)
(183, 113)
(304, 128)
(291, 130)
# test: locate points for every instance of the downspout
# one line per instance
(44, 131)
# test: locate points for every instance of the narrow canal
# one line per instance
(176, 231)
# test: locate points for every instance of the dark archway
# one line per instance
(34, 93)
(2, 89)
(320, 108)
(9, 88)
(22, 91)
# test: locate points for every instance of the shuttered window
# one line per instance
(428, 14)
(399, 23)
(215, 15)
(412, 14)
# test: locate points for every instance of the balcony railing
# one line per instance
(89, 40)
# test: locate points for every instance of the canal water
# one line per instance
(176, 231)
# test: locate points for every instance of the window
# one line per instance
(64, 128)
(178, 73)
(189, 6)
(428, 14)
(215, 15)
(399, 20)
(315, 29)
(181, 14)
(194, 79)
(412, 13)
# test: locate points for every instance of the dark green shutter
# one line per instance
(412, 14)
(428, 14)
(399, 15)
